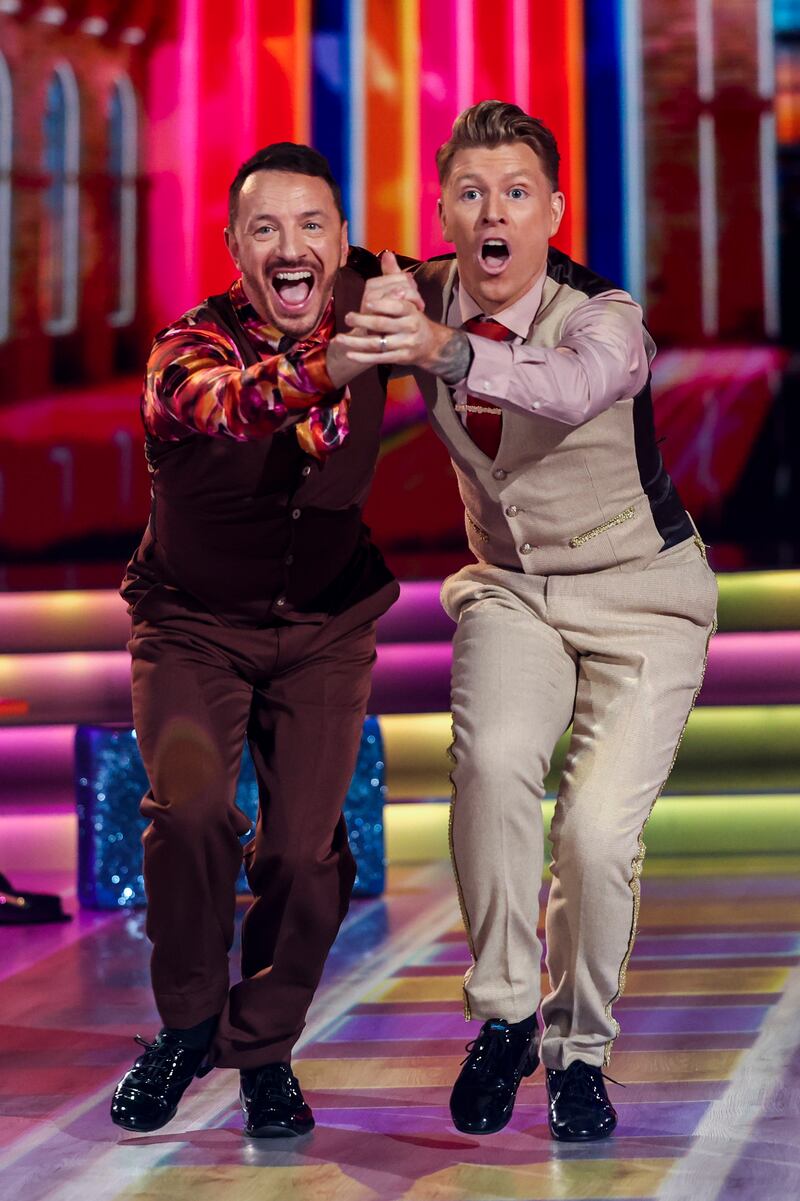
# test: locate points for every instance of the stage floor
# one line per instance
(709, 1054)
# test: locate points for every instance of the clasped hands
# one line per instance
(391, 328)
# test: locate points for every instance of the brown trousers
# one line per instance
(298, 693)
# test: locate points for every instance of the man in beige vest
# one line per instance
(591, 603)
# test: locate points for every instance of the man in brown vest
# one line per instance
(254, 598)
(590, 603)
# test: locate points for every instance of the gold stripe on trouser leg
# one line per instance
(638, 862)
(461, 902)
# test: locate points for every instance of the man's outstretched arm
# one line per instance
(196, 382)
(603, 356)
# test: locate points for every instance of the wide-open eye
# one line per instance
(517, 193)
(470, 194)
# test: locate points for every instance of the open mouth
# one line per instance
(495, 255)
(293, 289)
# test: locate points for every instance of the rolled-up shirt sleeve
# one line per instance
(603, 356)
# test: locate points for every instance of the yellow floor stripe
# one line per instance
(553, 1179)
(439, 1071)
(640, 983)
(556, 1180)
(681, 866)
(779, 912)
(722, 865)
(246, 1183)
(708, 981)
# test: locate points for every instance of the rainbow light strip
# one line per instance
(724, 824)
(282, 65)
(374, 84)
(409, 677)
(614, 149)
(558, 97)
(95, 620)
(733, 750)
(389, 76)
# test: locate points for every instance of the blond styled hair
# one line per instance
(495, 123)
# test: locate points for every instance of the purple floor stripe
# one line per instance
(702, 946)
(685, 1020)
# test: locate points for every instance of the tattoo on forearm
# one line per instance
(454, 359)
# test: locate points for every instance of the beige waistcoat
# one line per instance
(557, 500)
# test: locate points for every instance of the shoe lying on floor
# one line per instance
(147, 1096)
(579, 1109)
(28, 908)
(273, 1104)
(483, 1096)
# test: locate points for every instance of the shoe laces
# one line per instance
(163, 1060)
(489, 1051)
(275, 1078)
(580, 1080)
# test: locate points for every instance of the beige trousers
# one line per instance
(621, 655)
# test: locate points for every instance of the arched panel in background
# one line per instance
(6, 154)
(123, 150)
(61, 205)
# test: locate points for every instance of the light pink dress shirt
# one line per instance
(600, 359)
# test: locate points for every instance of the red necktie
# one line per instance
(484, 422)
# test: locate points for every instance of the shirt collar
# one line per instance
(263, 333)
(518, 317)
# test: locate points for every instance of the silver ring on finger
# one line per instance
(383, 343)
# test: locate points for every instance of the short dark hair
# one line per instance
(495, 123)
(284, 156)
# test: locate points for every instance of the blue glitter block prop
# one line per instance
(110, 782)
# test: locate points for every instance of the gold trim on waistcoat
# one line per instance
(461, 903)
(638, 863)
(466, 408)
(479, 530)
(625, 515)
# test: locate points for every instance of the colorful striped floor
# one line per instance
(709, 1055)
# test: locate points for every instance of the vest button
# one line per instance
(295, 514)
(499, 474)
(526, 548)
(512, 511)
(306, 470)
(280, 601)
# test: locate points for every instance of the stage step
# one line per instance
(40, 622)
(758, 824)
(98, 620)
(63, 657)
(733, 749)
(94, 687)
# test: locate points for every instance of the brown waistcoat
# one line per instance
(260, 531)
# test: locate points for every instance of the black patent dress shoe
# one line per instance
(273, 1104)
(483, 1096)
(28, 908)
(147, 1096)
(579, 1109)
